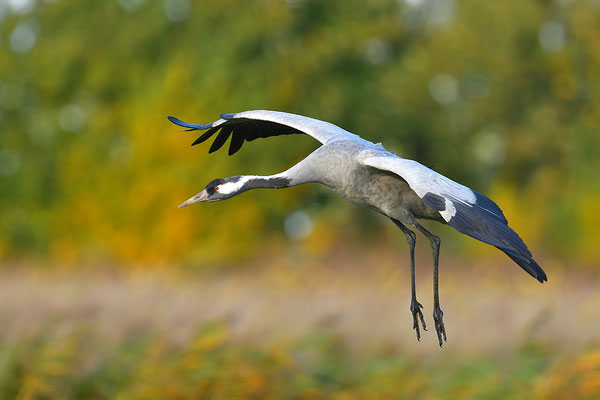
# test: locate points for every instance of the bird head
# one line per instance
(216, 190)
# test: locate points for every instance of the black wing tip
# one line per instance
(488, 224)
(540, 274)
(177, 121)
(529, 265)
(191, 127)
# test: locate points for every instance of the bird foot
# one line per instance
(415, 309)
(438, 318)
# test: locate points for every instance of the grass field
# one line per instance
(339, 329)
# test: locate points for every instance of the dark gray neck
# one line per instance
(303, 172)
(267, 182)
(239, 184)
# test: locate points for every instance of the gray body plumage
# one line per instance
(335, 165)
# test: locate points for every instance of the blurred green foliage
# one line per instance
(502, 96)
(318, 366)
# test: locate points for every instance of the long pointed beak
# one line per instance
(200, 197)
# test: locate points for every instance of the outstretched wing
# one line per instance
(250, 125)
(464, 209)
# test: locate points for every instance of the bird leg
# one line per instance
(415, 306)
(438, 315)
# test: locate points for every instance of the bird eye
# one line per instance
(216, 188)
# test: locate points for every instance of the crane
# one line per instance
(367, 175)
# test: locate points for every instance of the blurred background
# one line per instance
(108, 290)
